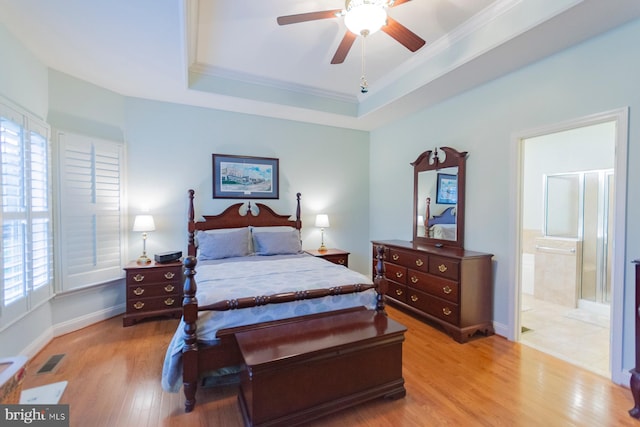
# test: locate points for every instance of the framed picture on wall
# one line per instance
(243, 177)
(447, 189)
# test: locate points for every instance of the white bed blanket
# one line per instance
(259, 276)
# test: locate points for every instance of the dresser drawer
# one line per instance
(415, 260)
(434, 306)
(154, 290)
(444, 267)
(157, 275)
(437, 286)
(143, 305)
(396, 291)
(395, 272)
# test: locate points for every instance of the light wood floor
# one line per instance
(114, 380)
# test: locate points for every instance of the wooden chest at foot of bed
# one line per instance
(304, 370)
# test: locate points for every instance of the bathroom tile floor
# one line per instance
(574, 335)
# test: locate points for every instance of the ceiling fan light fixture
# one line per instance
(364, 17)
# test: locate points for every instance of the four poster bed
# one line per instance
(252, 274)
(441, 226)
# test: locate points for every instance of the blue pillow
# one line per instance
(276, 243)
(225, 244)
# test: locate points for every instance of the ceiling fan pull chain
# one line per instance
(364, 86)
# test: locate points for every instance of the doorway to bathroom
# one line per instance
(566, 244)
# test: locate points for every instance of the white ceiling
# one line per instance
(232, 55)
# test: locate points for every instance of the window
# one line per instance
(91, 211)
(27, 235)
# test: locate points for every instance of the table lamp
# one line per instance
(322, 221)
(144, 223)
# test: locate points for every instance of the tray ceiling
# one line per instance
(232, 55)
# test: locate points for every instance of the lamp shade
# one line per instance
(322, 220)
(365, 17)
(144, 223)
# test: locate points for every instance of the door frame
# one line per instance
(621, 118)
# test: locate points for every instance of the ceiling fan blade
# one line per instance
(403, 35)
(343, 49)
(311, 16)
(399, 2)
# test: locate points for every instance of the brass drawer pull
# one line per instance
(447, 290)
(442, 268)
(398, 292)
(169, 301)
(399, 274)
(169, 275)
(341, 261)
(414, 279)
(414, 298)
(169, 288)
(138, 277)
(138, 291)
(446, 311)
(138, 305)
(395, 257)
(419, 262)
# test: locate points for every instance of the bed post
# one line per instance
(427, 213)
(191, 227)
(190, 351)
(379, 281)
(298, 222)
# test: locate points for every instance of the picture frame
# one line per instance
(244, 177)
(447, 189)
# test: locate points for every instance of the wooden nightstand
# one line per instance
(336, 256)
(153, 290)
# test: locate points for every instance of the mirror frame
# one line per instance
(430, 161)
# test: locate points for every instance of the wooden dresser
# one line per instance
(450, 286)
(153, 290)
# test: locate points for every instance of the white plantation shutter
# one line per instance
(91, 210)
(27, 237)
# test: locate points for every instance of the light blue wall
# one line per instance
(23, 79)
(169, 152)
(596, 76)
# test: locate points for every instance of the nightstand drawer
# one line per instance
(338, 259)
(143, 305)
(154, 290)
(159, 275)
(335, 256)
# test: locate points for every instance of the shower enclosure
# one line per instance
(577, 235)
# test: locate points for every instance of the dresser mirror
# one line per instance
(438, 197)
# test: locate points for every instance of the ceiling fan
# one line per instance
(362, 17)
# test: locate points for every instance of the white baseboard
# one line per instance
(87, 320)
(500, 329)
(39, 343)
(70, 326)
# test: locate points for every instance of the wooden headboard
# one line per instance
(232, 218)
